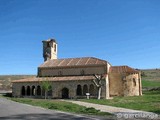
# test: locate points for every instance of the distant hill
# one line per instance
(150, 78)
(151, 74)
(5, 80)
(14, 77)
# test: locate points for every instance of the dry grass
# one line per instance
(151, 74)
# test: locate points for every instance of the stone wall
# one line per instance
(115, 85)
(45, 72)
(124, 84)
(131, 85)
(58, 86)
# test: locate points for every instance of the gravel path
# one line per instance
(10, 110)
(121, 113)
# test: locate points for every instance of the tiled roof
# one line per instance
(68, 78)
(122, 69)
(85, 61)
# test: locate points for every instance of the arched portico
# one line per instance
(28, 90)
(85, 89)
(33, 91)
(23, 92)
(91, 89)
(38, 90)
(65, 93)
(79, 90)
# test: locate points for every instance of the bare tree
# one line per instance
(98, 83)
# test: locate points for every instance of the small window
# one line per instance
(60, 73)
(134, 81)
(82, 72)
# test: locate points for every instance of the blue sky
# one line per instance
(123, 32)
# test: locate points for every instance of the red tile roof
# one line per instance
(67, 78)
(122, 69)
(85, 61)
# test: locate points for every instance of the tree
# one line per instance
(98, 84)
(46, 86)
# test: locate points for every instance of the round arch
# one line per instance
(28, 90)
(39, 90)
(85, 89)
(91, 89)
(65, 93)
(79, 90)
(23, 91)
(33, 90)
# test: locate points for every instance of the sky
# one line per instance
(122, 32)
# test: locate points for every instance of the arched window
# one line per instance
(85, 89)
(23, 91)
(79, 90)
(33, 91)
(28, 90)
(91, 89)
(38, 90)
(134, 82)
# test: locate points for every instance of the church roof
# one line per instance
(69, 62)
(122, 69)
(66, 78)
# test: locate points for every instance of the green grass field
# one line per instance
(146, 83)
(150, 78)
(61, 106)
(150, 101)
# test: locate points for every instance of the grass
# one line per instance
(146, 83)
(61, 106)
(150, 101)
(151, 74)
(151, 78)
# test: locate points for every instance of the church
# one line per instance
(77, 77)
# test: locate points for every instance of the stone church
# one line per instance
(75, 77)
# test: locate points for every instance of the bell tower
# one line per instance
(49, 49)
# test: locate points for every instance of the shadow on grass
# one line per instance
(7, 95)
(155, 111)
(151, 92)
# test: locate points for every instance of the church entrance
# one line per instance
(65, 93)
